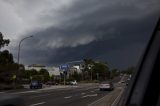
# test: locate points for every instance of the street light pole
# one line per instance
(90, 68)
(20, 46)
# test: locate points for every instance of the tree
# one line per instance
(75, 76)
(87, 67)
(114, 73)
(129, 70)
(6, 57)
(96, 70)
(44, 74)
(101, 70)
(8, 68)
(3, 42)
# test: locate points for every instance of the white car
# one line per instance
(73, 82)
(106, 86)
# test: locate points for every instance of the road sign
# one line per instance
(64, 67)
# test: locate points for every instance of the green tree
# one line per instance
(8, 68)
(114, 73)
(3, 42)
(87, 67)
(44, 74)
(75, 76)
(100, 69)
(6, 57)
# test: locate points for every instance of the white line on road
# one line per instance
(92, 91)
(23, 92)
(96, 101)
(40, 95)
(116, 100)
(37, 104)
(96, 90)
(89, 96)
(67, 97)
(83, 93)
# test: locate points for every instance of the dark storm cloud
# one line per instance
(121, 51)
(121, 43)
(111, 31)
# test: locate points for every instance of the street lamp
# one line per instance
(20, 46)
(90, 68)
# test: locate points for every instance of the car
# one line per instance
(51, 83)
(35, 84)
(106, 86)
(73, 82)
(122, 81)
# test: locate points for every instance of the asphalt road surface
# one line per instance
(66, 97)
(71, 96)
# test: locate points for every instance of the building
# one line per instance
(36, 67)
(52, 70)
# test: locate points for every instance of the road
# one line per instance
(66, 97)
(81, 95)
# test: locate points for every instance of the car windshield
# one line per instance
(58, 52)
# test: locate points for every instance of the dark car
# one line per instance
(35, 84)
(106, 86)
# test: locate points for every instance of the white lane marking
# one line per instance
(37, 104)
(84, 96)
(67, 97)
(83, 93)
(116, 100)
(40, 96)
(92, 91)
(2, 92)
(96, 90)
(97, 101)
(89, 96)
(23, 92)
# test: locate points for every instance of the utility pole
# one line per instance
(90, 68)
(97, 75)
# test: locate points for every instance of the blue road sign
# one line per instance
(64, 67)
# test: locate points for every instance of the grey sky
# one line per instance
(115, 31)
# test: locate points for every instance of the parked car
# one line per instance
(51, 83)
(106, 86)
(35, 84)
